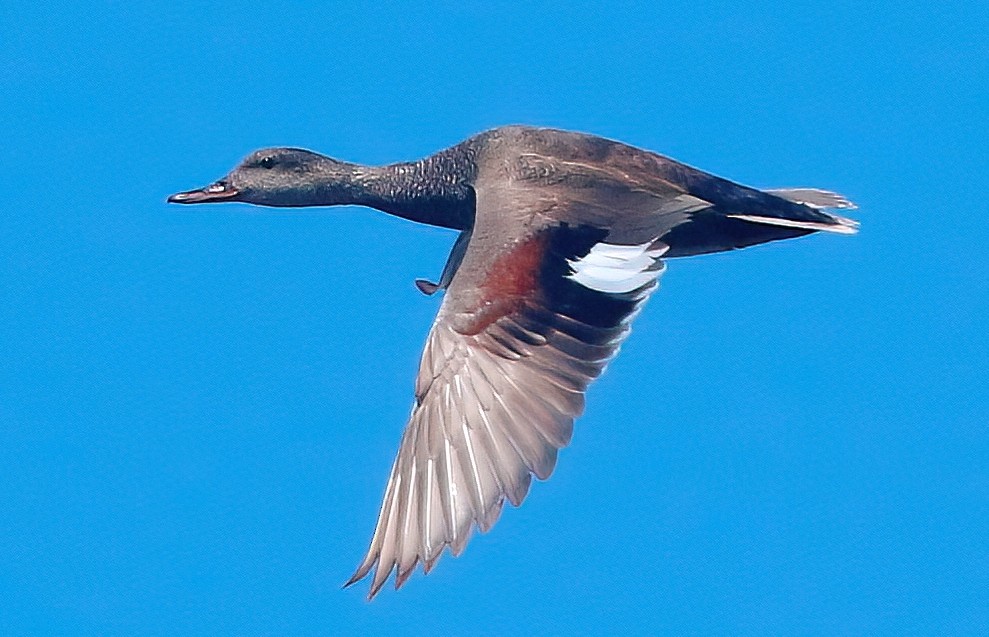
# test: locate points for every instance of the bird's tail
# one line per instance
(818, 201)
(743, 217)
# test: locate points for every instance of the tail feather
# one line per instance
(835, 223)
(743, 217)
(814, 197)
(818, 200)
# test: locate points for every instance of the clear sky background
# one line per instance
(199, 406)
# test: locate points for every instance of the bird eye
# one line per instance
(267, 162)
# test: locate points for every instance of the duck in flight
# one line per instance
(563, 237)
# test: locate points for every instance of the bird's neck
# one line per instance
(435, 190)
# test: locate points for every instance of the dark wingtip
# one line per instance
(362, 572)
(356, 577)
(376, 587)
(430, 564)
(402, 577)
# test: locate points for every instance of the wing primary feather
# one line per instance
(484, 449)
(460, 433)
(439, 535)
(386, 555)
(427, 510)
(409, 553)
(470, 459)
(446, 482)
(504, 458)
(374, 550)
(483, 454)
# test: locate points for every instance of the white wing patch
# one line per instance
(617, 269)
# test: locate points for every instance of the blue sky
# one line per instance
(199, 407)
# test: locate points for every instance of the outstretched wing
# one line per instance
(501, 380)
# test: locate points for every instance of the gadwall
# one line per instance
(562, 239)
